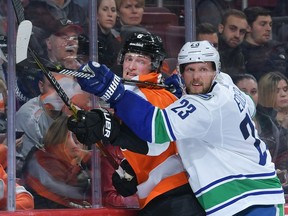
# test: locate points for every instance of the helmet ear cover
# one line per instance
(198, 51)
(144, 44)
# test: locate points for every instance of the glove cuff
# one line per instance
(114, 92)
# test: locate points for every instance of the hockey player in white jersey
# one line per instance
(229, 167)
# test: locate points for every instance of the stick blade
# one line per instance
(22, 40)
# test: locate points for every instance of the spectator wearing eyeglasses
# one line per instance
(262, 53)
(62, 44)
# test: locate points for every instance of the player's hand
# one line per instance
(124, 179)
(175, 84)
(93, 126)
(104, 84)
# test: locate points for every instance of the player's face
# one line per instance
(136, 64)
(250, 87)
(233, 31)
(198, 77)
(281, 102)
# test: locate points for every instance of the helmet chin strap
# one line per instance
(213, 81)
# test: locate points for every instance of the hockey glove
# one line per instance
(92, 126)
(124, 179)
(175, 84)
(104, 84)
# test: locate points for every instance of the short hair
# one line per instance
(232, 12)
(267, 88)
(205, 28)
(253, 12)
(119, 3)
(236, 78)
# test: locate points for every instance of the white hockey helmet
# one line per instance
(198, 51)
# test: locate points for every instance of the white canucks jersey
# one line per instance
(229, 167)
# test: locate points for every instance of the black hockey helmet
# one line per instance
(145, 44)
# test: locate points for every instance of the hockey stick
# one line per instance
(87, 75)
(22, 41)
(19, 11)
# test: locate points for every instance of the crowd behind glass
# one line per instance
(252, 43)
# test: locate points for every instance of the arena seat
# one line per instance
(174, 39)
(157, 9)
(157, 22)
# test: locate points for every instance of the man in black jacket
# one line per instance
(262, 55)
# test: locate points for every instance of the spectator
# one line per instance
(62, 44)
(58, 175)
(248, 84)
(59, 9)
(130, 13)
(23, 200)
(273, 96)
(206, 31)
(211, 11)
(265, 125)
(232, 31)
(213, 128)
(4, 144)
(61, 49)
(262, 54)
(108, 46)
(36, 115)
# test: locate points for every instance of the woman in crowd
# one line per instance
(58, 175)
(130, 13)
(273, 95)
(267, 129)
(108, 45)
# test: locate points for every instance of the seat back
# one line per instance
(157, 22)
(174, 39)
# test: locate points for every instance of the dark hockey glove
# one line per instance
(124, 179)
(93, 126)
(104, 84)
(175, 84)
